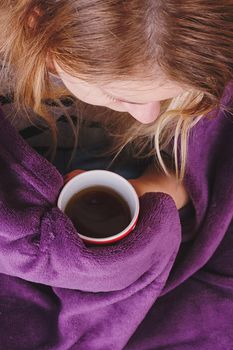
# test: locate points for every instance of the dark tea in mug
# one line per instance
(98, 212)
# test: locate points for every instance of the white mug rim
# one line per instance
(131, 188)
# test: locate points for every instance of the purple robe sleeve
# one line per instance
(39, 243)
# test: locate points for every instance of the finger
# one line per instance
(73, 173)
(137, 187)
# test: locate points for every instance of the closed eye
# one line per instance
(114, 99)
(111, 98)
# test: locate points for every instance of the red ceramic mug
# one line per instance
(113, 181)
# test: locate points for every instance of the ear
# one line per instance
(50, 64)
(33, 17)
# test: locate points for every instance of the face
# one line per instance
(139, 98)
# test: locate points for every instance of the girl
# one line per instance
(168, 285)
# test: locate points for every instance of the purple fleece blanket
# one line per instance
(167, 286)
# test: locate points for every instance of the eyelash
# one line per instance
(111, 98)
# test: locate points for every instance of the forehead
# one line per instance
(129, 86)
(140, 80)
(138, 84)
(161, 87)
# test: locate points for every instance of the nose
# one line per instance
(144, 113)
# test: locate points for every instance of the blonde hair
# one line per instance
(110, 40)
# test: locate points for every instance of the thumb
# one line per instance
(136, 185)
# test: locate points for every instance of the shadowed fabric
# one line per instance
(153, 290)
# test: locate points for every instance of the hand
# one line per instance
(73, 173)
(152, 181)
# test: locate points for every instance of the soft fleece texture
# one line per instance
(152, 290)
